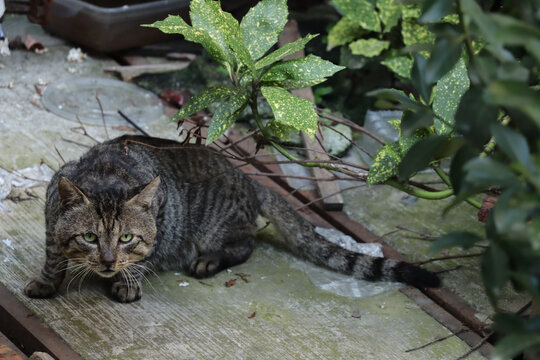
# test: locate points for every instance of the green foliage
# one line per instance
(473, 97)
(240, 48)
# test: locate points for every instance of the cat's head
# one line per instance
(108, 231)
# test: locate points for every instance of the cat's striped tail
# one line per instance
(299, 236)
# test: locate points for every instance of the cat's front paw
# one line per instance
(39, 289)
(126, 293)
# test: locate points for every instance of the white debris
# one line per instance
(76, 55)
(24, 178)
(8, 243)
(183, 283)
(347, 242)
(340, 284)
(4, 47)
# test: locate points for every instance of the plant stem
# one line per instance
(447, 181)
(428, 195)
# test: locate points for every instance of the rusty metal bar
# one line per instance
(27, 332)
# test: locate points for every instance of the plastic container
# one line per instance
(111, 25)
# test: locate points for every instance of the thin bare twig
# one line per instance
(243, 138)
(439, 339)
(58, 152)
(448, 270)
(417, 232)
(387, 234)
(476, 347)
(335, 178)
(76, 143)
(349, 123)
(349, 140)
(102, 115)
(83, 128)
(448, 258)
(329, 195)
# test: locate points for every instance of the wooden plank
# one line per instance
(329, 190)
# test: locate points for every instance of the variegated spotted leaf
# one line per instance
(389, 13)
(202, 100)
(262, 25)
(385, 164)
(368, 47)
(176, 25)
(226, 114)
(448, 92)
(291, 110)
(343, 32)
(300, 73)
(286, 50)
(280, 130)
(414, 34)
(400, 65)
(361, 12)
(223, 28)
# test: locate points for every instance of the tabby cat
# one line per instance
(136, 203)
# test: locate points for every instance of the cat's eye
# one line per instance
(126, 238)
(90, 237)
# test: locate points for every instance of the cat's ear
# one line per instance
(70, 194)
(145, 197)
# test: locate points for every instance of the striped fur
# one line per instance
(186, 208)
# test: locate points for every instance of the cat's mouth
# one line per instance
(107, 273)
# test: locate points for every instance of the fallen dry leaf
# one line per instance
(230, 283)
(252, 315)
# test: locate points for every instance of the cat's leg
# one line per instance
(52, 274)
(232, 253)
(127, 286)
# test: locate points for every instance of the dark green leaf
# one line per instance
(262, 25)
(300, 73)
(463, 239)
(495, 272)
(515, 94)
(486, 172)
(433, 10)
(418, 77)
(513, 144)
(384, 165)
(226, 114)
(286, 50)
(411, 121)
(420, 155)
(291, 110)
(457, 171)
(486, 25)
(202, 100)
(512, 345)
(505, 323)
(444, 56)
(406, 143)
(397, 96)
(474, 117)
(513, 71)
(528, 282)
(361, 12)
(448, 92)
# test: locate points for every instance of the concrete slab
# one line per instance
(278, 314)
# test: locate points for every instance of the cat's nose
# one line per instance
(107, 258)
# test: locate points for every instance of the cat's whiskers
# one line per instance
(79, 271)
